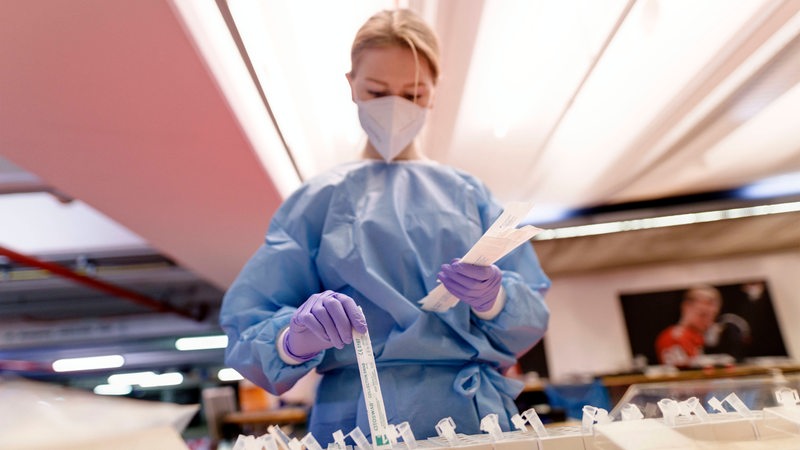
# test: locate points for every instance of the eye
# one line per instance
(376, 94)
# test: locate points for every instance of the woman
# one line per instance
(378, 234)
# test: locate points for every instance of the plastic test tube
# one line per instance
(592, 414)
(404, 429)
(447, 429)
(338, 441)
(310, 442)
(358, 437)
(717, 405)
(737, 404)
(280, 437)
(294, 444)
(268, 442)
(787, 397)
(491, 425)
(631, 412)
(696, 408)
(533, 419)
(669, 409)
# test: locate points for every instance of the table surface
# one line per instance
(278, 416)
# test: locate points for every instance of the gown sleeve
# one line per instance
(523, 320)
(276, 280)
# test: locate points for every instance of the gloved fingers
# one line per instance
(476, 293)
(303, 311)
(304, 319)
(450, 271)
(454, 286)
(354, 313)
(341, 323)
(309, 322)
(322, 314)
(480, 273)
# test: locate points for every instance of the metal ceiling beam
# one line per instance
(102, 286)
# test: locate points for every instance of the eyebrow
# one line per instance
(420, 86)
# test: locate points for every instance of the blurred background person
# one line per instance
(681, 343)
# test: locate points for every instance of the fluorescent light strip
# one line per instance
(786, 184)
(202, 343)
(113, 389)
(165, 379)
(213, 39)
(88, 363)
(126, 379)
(229, 374)
(145, 379)
(665, 221)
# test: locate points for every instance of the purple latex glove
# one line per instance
(325, 320)
(477, 286)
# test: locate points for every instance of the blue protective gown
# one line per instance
(379, 232)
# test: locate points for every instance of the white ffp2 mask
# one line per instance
(391, 123)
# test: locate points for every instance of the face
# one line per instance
(391, 71)
(700, 312)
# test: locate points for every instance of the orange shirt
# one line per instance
(677, 345)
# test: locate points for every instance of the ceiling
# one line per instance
(147, 144)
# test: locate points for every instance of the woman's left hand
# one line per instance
(478, 286)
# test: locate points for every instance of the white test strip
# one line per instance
(376, 412)
(501, 238)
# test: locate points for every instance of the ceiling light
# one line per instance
(229, 374)
(123, 379)
(165, 379)
(214, 41)
(145, 379)
(202, 343)
(88, 363)
(113, 389)
(665, 221)
(787, 184)
(302, 76)
(544, 213)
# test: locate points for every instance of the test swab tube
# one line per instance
(244, 442)
(669, 409)
(519, 423)
(268, 442)
(404, 429)
(684, 409)
(294, 444)
(533, 419)
(587, 421)
(737, 404)
(447, 429)
(358, 437)
(631, 412)
(338, 441)
(787, 397)
(391, 433)
(717, 405)
(491, 425)
(310, 442)
(279, 436)
(695, 407)
(601, 416)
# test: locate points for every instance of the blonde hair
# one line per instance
(402, 28)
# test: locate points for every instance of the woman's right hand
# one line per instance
(325, 320)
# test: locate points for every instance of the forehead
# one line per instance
(393, 65)
(703, 299)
